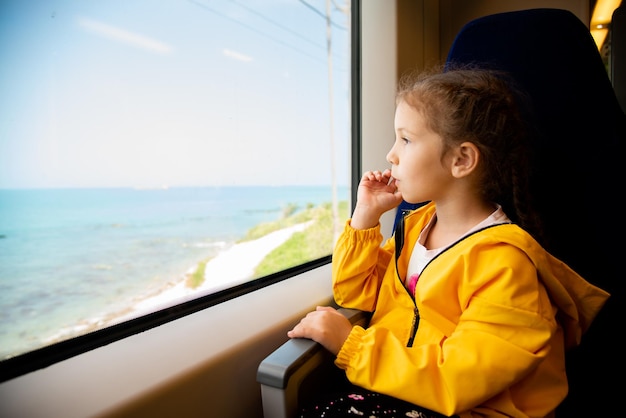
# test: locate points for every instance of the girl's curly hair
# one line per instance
(482, 106)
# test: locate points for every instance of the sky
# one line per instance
(142, 93)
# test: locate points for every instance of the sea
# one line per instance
(70, 255)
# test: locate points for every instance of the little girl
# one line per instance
(471, 316)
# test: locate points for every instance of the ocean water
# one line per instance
(70, 255)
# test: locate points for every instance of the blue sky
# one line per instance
(130, 93)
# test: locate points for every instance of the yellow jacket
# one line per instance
(481, 336)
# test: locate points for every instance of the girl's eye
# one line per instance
(405, 140)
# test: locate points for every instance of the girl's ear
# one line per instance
(465, 159)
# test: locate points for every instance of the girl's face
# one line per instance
(416, 159)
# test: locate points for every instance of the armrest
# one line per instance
(297, 364)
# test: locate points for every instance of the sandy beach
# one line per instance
(234, 265)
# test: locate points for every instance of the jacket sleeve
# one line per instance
(358, 267)
(502, 332)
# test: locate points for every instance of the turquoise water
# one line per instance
(70, 255)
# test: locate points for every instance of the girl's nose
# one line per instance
(391, 157)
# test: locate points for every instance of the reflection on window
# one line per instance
(154, 152)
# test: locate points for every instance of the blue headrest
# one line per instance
(582, 129)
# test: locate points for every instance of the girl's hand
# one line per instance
(325, 325)
(376, 195)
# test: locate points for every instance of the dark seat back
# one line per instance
(577, 175)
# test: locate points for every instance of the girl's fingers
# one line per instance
(382, 177)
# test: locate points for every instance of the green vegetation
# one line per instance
(197, 277)
(314, 242)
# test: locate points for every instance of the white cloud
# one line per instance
(124, 36)
(237, 55)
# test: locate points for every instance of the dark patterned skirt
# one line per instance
(359, 402)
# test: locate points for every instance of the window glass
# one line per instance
(152, 152)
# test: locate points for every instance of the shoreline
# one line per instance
(231, 266)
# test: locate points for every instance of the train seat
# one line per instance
(575, 178)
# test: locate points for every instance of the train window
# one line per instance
(159, 157)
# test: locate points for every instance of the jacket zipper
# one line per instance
(414, 326)
(399, 238)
